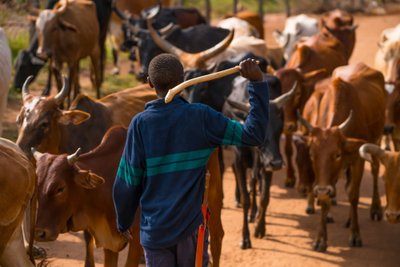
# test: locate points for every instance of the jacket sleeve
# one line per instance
(128, 182)
(220, 130)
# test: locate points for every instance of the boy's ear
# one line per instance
(149, 82)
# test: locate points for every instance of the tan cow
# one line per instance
(356, 92)
(66, 34)
(17, 181)
(392, 123)
(387, 58)
(391, 177)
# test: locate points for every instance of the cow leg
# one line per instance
(47, 89)
(96, 63)
(110, 258)
(266, 178)
(237, 190)
(290, 176)
(215, 205)
(310, 199)
(245, 201)
(320, 243)
(253, 187)
(89, 244)
(14, 254)
(376, 212)
(74, 81)
(353, 191)
(115, 70)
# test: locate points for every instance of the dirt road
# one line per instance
(290, 231)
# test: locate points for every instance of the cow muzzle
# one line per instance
(324, 193)
(44, 235)
(392, 216)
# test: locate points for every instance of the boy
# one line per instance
(162, 168)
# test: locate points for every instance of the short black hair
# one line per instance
(165, 72)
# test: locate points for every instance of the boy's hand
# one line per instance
(250, 70)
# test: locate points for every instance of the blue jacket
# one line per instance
(162, 168)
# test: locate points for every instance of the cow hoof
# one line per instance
(259, 231)
(245, 244)
(251, 218)
(290, 182)
(115, 71)
(320, 246)
(302, 190)
(333, 201)
(329, 219)
(310, 210)
(39, 253)
(348, 223)
(355, 241)
(376, 213)
(238, 205)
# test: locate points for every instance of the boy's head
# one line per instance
(165, 72)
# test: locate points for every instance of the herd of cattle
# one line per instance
(335, 114)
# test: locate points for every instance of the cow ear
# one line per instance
(65, 25)
(73, 116)
(88, 179)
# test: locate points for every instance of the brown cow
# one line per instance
(91, 182)
(391, 177)
(47, 128)
(356, 92)
(66, 34)
(16, 190)
(75, 194)
(340, 24)
(303, 84)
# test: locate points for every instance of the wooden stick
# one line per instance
(205, 78)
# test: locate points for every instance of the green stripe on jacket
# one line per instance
(233, 133)
(129, 174)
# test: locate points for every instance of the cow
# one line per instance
(262, 160)
(5, 74)
(391, 177)
(392, 123)
(75, 194)
(296, 27)
(27, 63)
(44, 126)
(387, 58)
(350, 114)
(16, 191)
(340, 24)
(253, 19)
(66, 39)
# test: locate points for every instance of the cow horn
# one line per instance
(73, 157)
(368, 150)
(281, 100)
(346, 123)
(36, 154)
(152, 12)
(306, 124)
(59, 98)
(25, 89)
(245, 107)
(62, 8)
(201, 57)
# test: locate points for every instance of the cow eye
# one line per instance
(44, 125)
(338, 156)
(60, 190)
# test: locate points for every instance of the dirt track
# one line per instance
(290, 230)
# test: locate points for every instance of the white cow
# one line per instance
(295, 28)
(387, 59)
(5, 74)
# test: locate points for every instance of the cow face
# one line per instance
(330, 152)
(392, 117)
(391, 55)
(62, 187)
(304, 88)
(40, 118)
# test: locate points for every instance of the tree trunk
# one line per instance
(287, 8)
(235, 4)
(208, 10)
(179, 2)
(261, 8)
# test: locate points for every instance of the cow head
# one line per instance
(392, 118)
(304, 86)
(391, 177)
(340, 24)
(61, 185)
(49, 24)
(330, 152)
(26, 64)
(40, 118)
